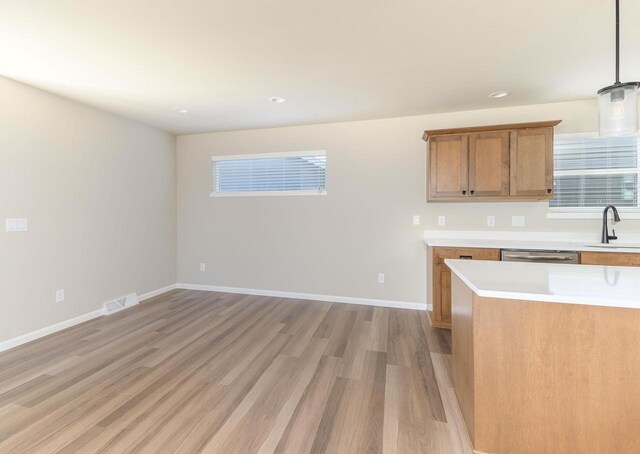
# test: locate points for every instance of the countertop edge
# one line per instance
(523, 296)
(525, 245)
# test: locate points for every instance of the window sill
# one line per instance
(624, 214)
(265, 193)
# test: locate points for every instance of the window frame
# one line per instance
(590, 212)
(281, 154)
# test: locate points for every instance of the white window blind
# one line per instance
(591, 173)
(291, 173)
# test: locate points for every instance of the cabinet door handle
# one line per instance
(472, 192)
(465, 257)
(464, 192)
(549, 191)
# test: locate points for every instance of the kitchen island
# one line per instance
(546, 357)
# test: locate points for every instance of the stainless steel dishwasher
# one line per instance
(537, 256)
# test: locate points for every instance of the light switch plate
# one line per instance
(416, 219)
(60, 295)
(517, 221)
(16, 224)
(203, 267)
(491, 221)
(441, 220)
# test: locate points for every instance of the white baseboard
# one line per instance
(306, 296)
(33, 335)
(160, 291)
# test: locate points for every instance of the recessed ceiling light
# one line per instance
(180, 110)
(499, 94)
(277, 99)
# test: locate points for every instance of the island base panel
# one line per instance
(546, 377)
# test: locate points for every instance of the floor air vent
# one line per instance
(119, 304)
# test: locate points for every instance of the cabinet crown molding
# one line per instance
(473, 129)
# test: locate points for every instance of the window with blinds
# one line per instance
(591, 173)
(292, 173)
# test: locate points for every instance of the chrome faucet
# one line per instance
(605, 228)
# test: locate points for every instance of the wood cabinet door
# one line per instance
(441, 292)
(609, 258)
(448, 167)
(442, 310)
(532, 162)
(489, 164)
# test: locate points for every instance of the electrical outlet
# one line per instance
(416, 219)
(203, 267)
(380, 278)
(60, 295)
(441, 220)
(517, 221)
(15, 225)
(491, 221)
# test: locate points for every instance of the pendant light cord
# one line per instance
(617, 41)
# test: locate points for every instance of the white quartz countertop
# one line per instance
(544, 241)
(612, 286)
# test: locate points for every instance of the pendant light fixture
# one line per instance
(618, 108)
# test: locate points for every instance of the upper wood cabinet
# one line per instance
(448, 164)
(512, 161)
(489, 164)
(532, 162)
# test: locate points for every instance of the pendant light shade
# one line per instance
(618, 110)
(618, 103)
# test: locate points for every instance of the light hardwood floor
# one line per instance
(206, 372)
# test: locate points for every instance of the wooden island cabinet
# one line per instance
(540, 370)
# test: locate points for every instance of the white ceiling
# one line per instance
(333, 60)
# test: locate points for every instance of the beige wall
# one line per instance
(337, 244)
(99, 194)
